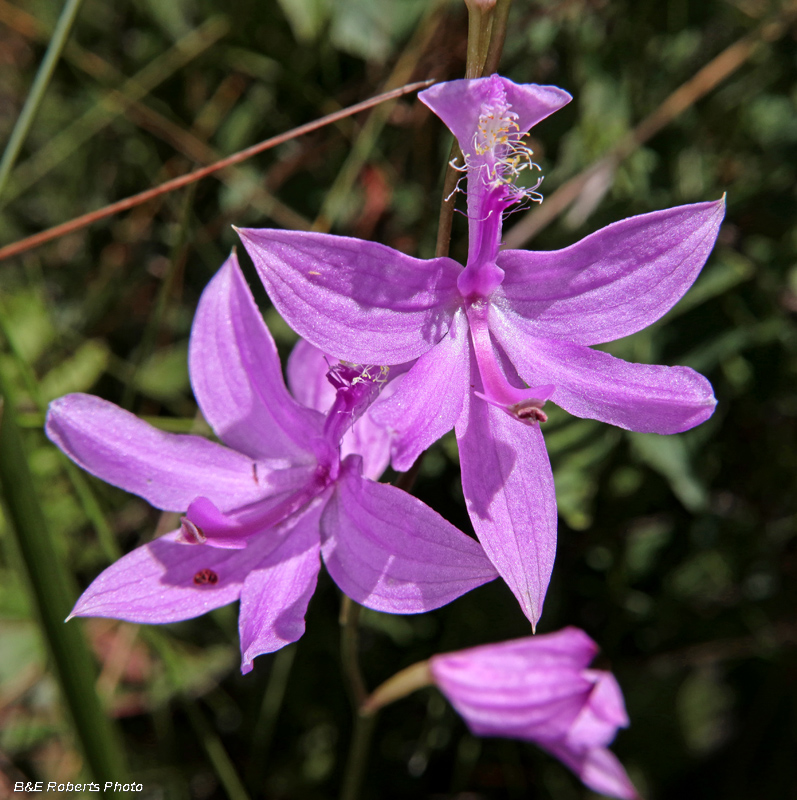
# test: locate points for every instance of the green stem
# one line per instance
(479, 21)
(349, 642)
(215, 751)
(38, 89)
(449, 203)
(212, 744)
(497, 37)
(357, 761)
(273, 697)
(51, 588)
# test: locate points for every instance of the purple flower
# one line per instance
(260, 510)
(512, 328)
(539, 689)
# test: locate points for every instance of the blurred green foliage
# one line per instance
(678, 555)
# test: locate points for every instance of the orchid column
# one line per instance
(498, 338)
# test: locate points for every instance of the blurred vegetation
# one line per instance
(677, 554)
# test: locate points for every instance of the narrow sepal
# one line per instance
(509, 491)
(614, 282)
(276, 593)
(429, 400)
(237, 377)
(589, 383)
(357, 300)
(390, 552)
(164, 581)
(168, 470)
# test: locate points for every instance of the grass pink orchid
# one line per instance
(540, 689)
(511, 330)
(262, 511)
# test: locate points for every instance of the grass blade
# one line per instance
(37, 90)
(50, 586)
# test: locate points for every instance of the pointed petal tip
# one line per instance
(244, 234)
(249, 234)
(80, 610)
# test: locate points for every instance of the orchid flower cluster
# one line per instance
(396, 352)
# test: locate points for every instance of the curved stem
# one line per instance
(408, 680)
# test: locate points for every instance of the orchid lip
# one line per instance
(204, 523)
(524, 405)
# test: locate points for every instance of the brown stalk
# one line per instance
(23, 245)
(148, 118)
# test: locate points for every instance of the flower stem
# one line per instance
(404, 682)
(480, 19)
(448, 204)
(357, 761)
(399, 685)
(214, 749)
(363, 722)
(497, 37)
(349, 642)
(266, 725)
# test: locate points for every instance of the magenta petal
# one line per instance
(390, 552)
(459, 103)
(604, 713)
(237, 377)
(166, 469)
(538, 689)
(597, 767)
(509, 490)
(590, 383)
(357, 300)
(614, 282)
(165, 582)
(307, 369)
(276, 593)
(529, 688)
(429, 400)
